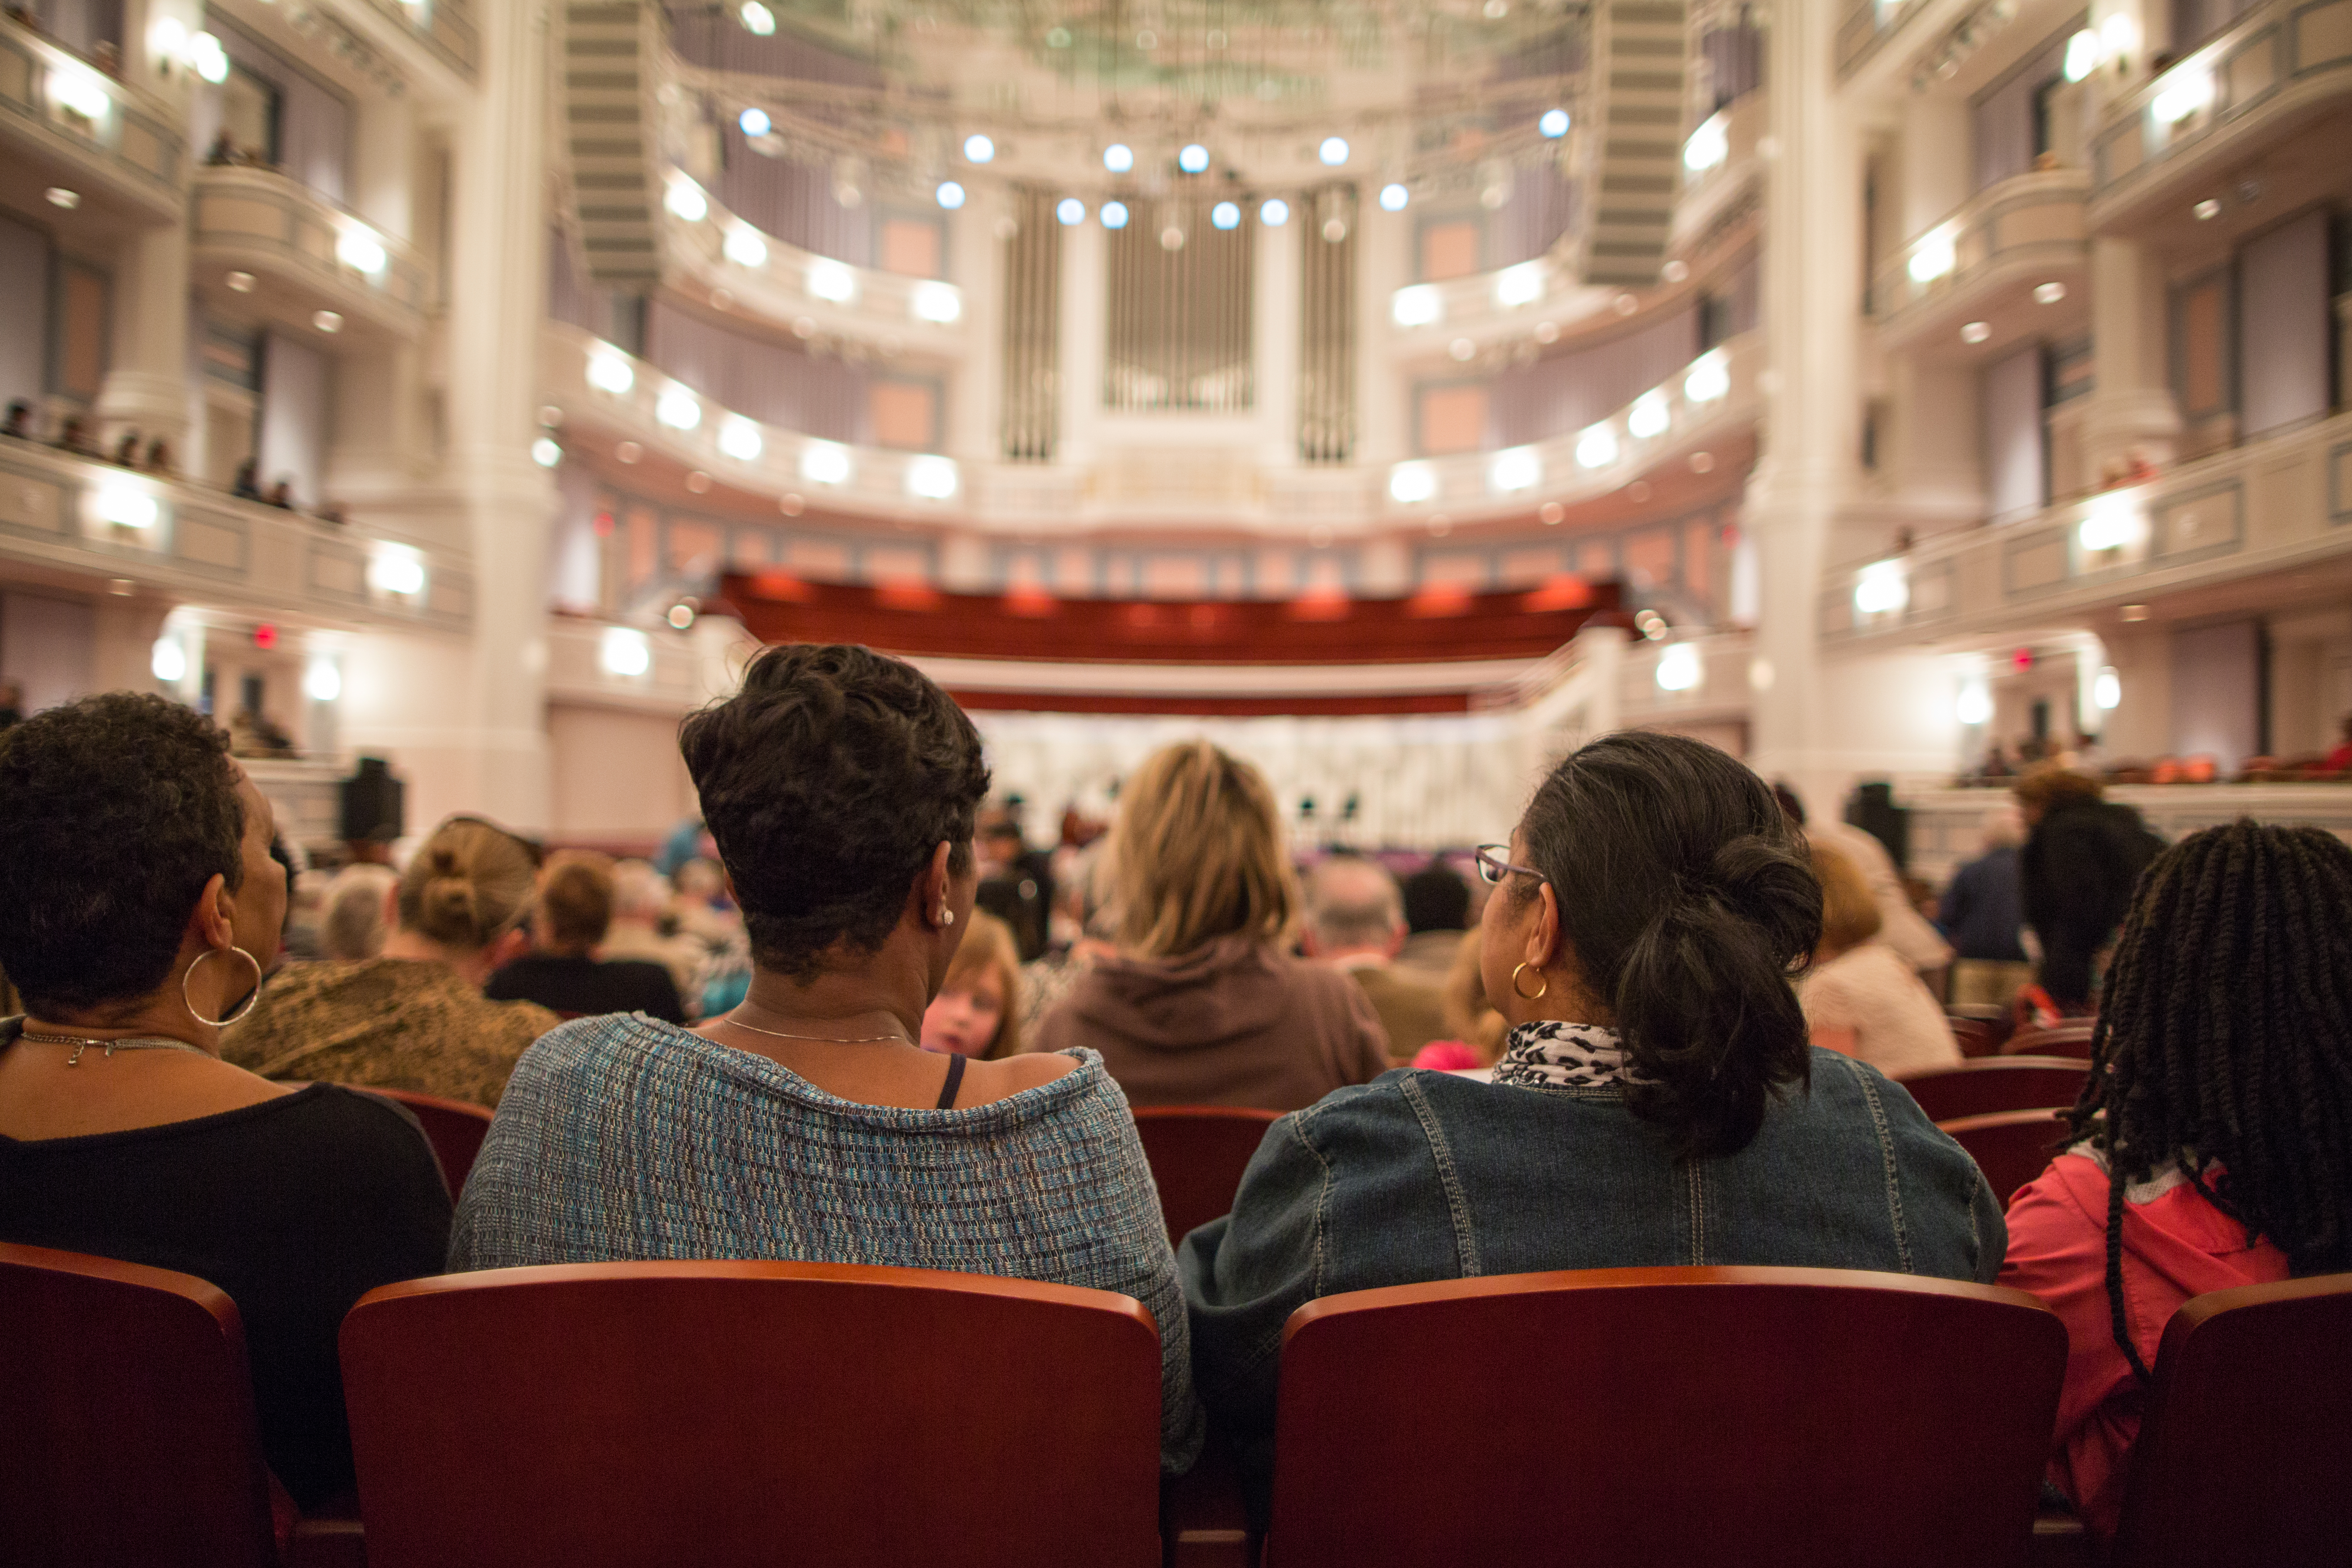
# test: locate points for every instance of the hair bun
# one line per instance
(1769, 885)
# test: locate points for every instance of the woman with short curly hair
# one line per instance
(807, 1123)
(139, 907)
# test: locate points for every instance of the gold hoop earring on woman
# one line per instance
(1543, 985)
(251, 996)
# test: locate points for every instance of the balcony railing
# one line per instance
(1867, 27)
(1714, 394)
(315, 255)
(88, 124)
(2275, 504)
(2280, 59)
(2027, 224)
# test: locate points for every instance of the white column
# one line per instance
(1937, 162)
(1383, 265)
(1274, 324)
(1812, 286)
(498, 254)
(1086, 322)
(2130, 409)
(146, 386)
(384, 165)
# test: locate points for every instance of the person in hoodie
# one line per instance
(1203, 1004)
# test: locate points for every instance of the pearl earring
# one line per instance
(947, 916)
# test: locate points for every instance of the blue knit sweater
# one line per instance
(625, 1138)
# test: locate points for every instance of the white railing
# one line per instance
(277, 226)
(62, 99)
(2029, 222)
(1715, 392)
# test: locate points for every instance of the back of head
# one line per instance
(1352, 903)
(115, 812)
(828, 782)
(1436, 899)
(575, 900)
(1686, 893)
(639, 892)
(466, 884)
(352, 923)
(2225, 1038)
(1850, 914)
(2046, 788)
(1198, 854)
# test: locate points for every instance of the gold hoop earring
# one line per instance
(251, 996)
(1543, 985)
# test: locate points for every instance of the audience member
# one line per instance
(159, 458)
(247, 485)
(1355, 922)
(841, 787)
(1982, 915)
(1203, 1005)
(358, 912)
(414, 1018)
(20, 420)
(135, 901)
(562, 974)
(12, 705)
(1858, 997)
(2082, 856)
(640, 928)
(1902, 926)
(1476, 1028)
(2213, 1139)
(1083, 898)
(978, 1010)
(1436, 914)
(1654, 902)
(2340, 759)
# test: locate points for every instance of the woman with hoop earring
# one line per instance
(1647, 915)
(139, 904)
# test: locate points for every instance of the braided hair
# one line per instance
(2224, 1046)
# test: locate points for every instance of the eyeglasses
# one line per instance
(1494, 863)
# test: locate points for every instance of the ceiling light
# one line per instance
(1463, 350)
(757, 18)
(934, 301)
(1519, 285)
(931, 477)
(2113, 522)
(825, 463)
(1702, 462)
(546, 453)
(1974, 705)
(358, 249)
(168, 661)
(698, 481)
(2185, 89)
(755, 122)
(80, 91)
(1708, 146)
(2049, 293)
(609, 372)
(1193, 158)
(1070, 211)
(1118, 157)
(1674, 271)
(1516, 469)
(329, 322)
(628, 452)
(1225, 214)
(2082, 54)
(950, 195)
(1976, 331)
(1650, 416)
(1680, 668)
(1553, 123)
(1418, 305)
(2206, 210)
(1550, 514)
(1114, 214)
(678, 408)
(168, 37)
(1596, 447)
(1334, 152)
(624, 650)
(1274, 212)
(1413, 483)
(686, 200)
(2118, 35)
(745, 247)
(978, 149)
(740, 438)
(681, 615)
(2133, 611)
(207, 59)
(829, 279)
(127, 507)
(1393, 197)
(239, 282)
(59, 197)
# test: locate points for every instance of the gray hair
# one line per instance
(353, 924)
(1352, 902)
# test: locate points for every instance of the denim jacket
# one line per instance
(1424, 1175)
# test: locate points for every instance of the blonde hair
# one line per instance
(1198, 854)
(352, 924)
(988, 945)
(468, 884)
(575, 898)
(1850, 915)
(1462, 1003)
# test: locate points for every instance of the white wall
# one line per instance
(616, 774)
(295, 417)
(403, 700)
(49, 645)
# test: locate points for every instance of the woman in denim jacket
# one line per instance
(1656, 1103)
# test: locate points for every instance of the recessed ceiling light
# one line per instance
(240, 282)
(698, 481)
(2049, 293)
(1674, 271)
(628, 451)
(1463, 348)
(61, 197)
(1702, 462)
(327, 321)
(2135, 612)
(2207, 209)
(1551, 511)
(1976, 331)
(790, 504)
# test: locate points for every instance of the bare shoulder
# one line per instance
(1013, 1075)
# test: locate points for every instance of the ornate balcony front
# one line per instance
(112, 154)
(269, 249)
(2010, 263)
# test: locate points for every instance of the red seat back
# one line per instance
(1975, 1036)
(2071, 1038)
(1997, 1083)
(454, 1128)
(1665, 1416)
(126, 1419)
(2245, 1450)
(2010, 1147)
(1198, 1154)
(725, 1414)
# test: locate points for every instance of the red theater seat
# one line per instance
(2010, 1147)
(2245, 1450)
(727, 1414)
(454, 1127)
(1198, 1154)
(126, 1419)
(1763, 1416)
(2071, 1038)
(1980, 1087)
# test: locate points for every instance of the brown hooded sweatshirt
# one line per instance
(1233, 1022)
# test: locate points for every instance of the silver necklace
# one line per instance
(821, 1040)
(81, 1043)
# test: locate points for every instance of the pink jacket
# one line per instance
(2175, 1245)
